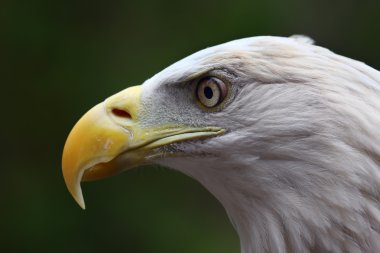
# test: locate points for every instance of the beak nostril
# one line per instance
(121, 113)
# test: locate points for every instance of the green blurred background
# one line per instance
(59, 58)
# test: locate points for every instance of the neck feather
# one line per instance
(284, 206)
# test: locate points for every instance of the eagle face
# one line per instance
(283, 133)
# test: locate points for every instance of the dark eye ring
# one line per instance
(211, 91)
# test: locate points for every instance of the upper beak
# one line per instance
(109, 139)
(97, 138)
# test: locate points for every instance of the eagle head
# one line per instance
(285, 134)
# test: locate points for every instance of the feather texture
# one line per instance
(299, 169)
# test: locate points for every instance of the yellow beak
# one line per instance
(109, 139)
(97, 139)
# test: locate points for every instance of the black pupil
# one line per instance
(208, 92)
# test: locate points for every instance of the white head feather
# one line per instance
(299, 169)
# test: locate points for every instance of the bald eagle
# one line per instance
(285, 134)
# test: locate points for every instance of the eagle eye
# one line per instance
(211, 91)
